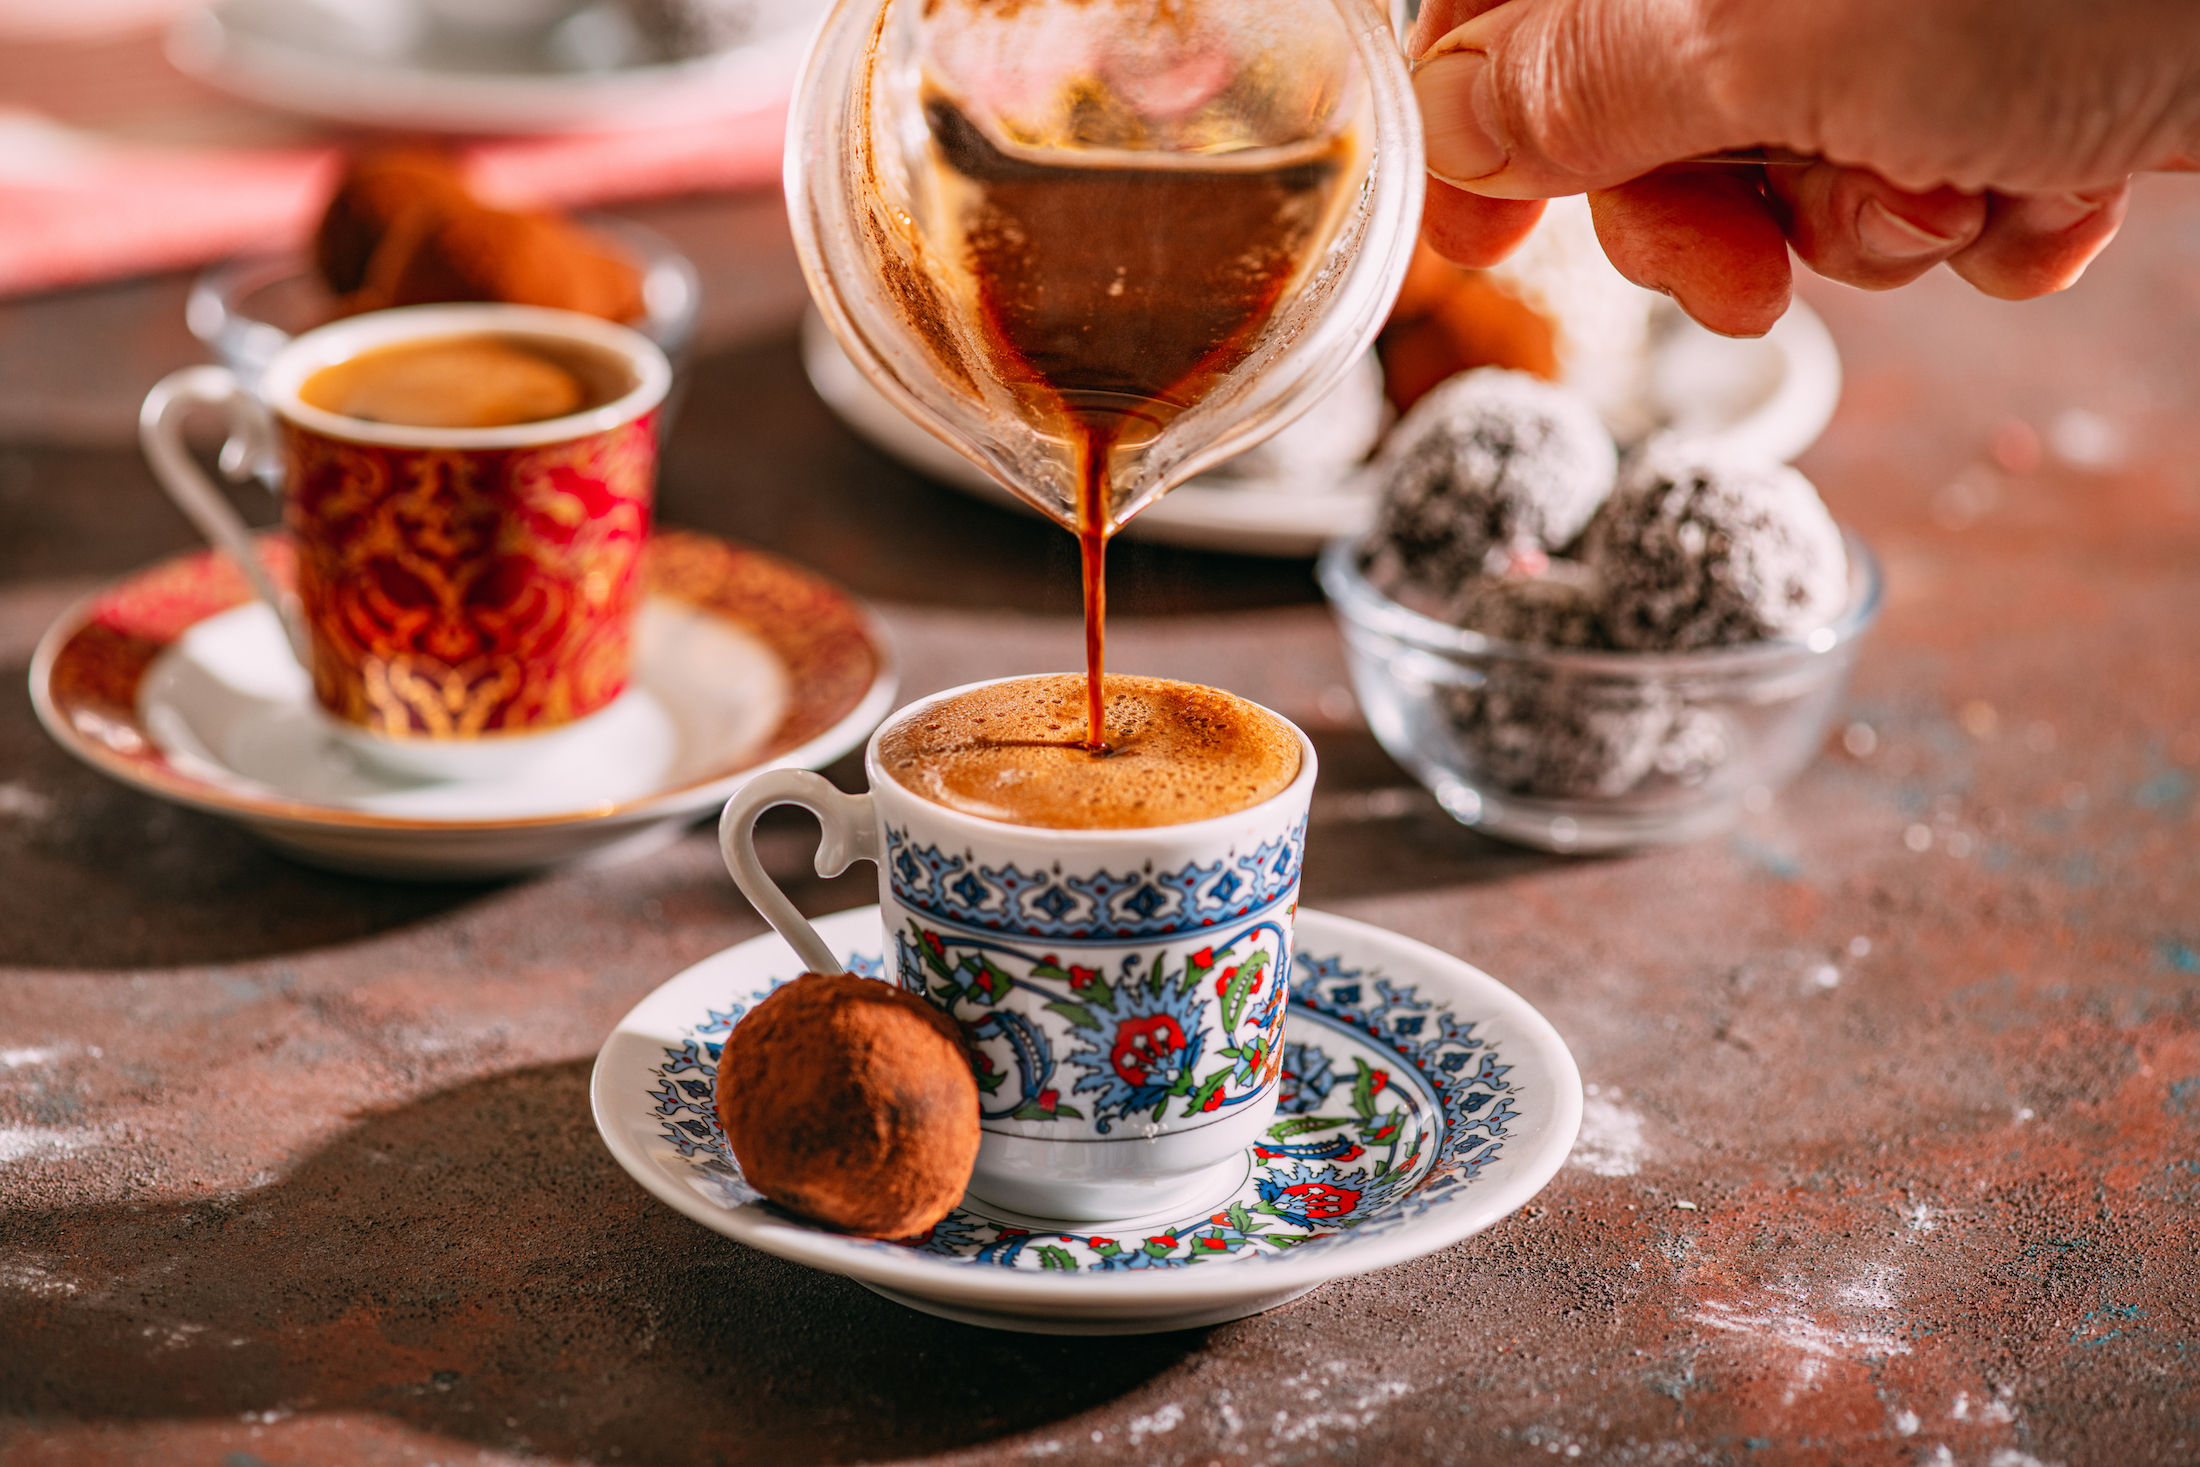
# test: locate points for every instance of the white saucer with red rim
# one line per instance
(178, 682)
(1422, 1102)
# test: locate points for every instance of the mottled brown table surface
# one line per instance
(1893, 1139)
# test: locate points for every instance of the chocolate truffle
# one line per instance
(1695, 745)
(1555, 607)
(1449, 320)
(1489, 464)
(851, 1102)
(1559, 733)
(466, 252)
(377, 189)
(1602, 321)
(1701, 547)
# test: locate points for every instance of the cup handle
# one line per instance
(850, 835)
(252, 438)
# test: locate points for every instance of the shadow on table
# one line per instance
(756, 455)
(100, 876)
(476, 1259)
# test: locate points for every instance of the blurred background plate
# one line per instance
(1772, 396)
(498, 66)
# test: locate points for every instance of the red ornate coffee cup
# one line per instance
(465, 595)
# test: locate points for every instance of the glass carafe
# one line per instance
(1098, 246)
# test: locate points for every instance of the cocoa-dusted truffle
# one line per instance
(1449, 320)
(1701, 547)
(466, 252)
(1491, 461)
(402, 230)
(851, 1102)
(377, 189)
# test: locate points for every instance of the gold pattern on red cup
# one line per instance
(453, 593)
(461, 583)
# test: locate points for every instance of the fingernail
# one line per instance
(1892, 237)
(1453, 90)
(2054, 213)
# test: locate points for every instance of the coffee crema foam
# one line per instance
(1014, 752)
(476, 380)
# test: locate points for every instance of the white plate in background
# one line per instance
(1772, 395)
(375, 64)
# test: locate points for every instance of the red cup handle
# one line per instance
(252, 434)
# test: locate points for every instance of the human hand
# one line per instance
(1997, 136)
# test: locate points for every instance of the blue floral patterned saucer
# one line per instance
(1422, 1101)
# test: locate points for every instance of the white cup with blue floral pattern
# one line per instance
(1123, 991)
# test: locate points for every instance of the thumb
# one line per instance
(1538, 98)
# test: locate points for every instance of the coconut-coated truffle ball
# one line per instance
(1555, 607)
(1489, 461)
(851, 1102)
(1697, 743)
(1559, 734)
(1701, 547)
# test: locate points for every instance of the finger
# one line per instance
(1853, 226)
(1538, 98)
(2039, 244)
(1439, 16)
(1473, 231)
(1704, 236)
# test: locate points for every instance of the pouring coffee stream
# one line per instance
(1099, 246)
(1116, 297)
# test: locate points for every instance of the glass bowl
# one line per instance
(1579, 751)
(246, 309)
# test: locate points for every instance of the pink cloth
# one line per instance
(78, 207)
